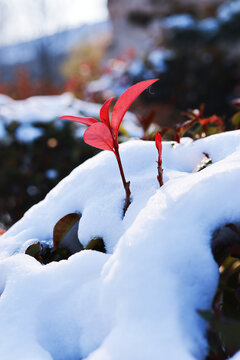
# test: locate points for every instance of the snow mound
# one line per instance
(30, 111)
(140, 300)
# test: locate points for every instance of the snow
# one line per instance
(103, 83)
(227, 10)
(142, 297)
(236, 357)
(136, 68)
(42, 108)
(28, 133)
(179, 21)
(209, 25)
(158, 59)
(51, 173)
(2, 131)
(49, 108)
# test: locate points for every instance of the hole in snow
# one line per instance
(65, 242)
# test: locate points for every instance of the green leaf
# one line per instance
(34, 250)
(58, 255)
(226, 328)
(229, 330)
(206, 314)
(236, 120)
(97, 244)
(50, 254)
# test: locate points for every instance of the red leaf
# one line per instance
(65, 233)
(2, 231)
(236, 102)
(158, 143)
(146, 121)
(104, 111)
(211, 120)
(124, 102)
(99, 136)
(80, 119)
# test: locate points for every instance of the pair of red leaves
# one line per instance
(104, 134)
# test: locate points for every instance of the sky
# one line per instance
(22, 20)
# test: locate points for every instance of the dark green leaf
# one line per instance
(34, 250)
(97, 244)
(236, 120)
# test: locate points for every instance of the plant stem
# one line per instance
(126, 184)
(160, 174)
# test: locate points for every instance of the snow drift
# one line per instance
(140, 300)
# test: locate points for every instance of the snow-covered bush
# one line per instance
(147, 290)
(142, 296)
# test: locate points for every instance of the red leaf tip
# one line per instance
(124, 102)
(80, 119)
(158, 141)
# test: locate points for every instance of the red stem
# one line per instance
(160, 174)
(126, 184)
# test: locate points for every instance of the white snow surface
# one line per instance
(140, 300)
(158, 58)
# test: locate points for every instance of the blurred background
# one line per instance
(67, 57)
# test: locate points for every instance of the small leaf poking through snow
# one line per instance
(97, 244)
(34, 250)
(65, 233)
